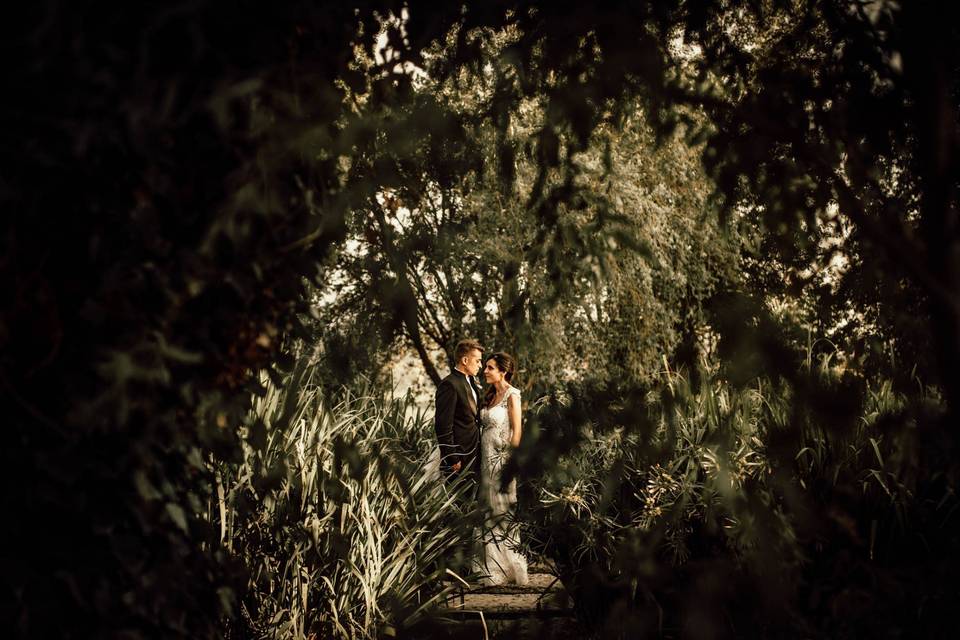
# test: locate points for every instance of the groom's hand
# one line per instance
(456, 467)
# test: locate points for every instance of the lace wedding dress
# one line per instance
(499, 560)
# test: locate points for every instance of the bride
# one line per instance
(499, 561)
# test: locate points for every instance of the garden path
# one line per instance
(540, 609)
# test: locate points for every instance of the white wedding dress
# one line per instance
(499, 560)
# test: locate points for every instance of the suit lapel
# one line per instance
(467, 388)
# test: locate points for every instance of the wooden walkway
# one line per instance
(539, 609)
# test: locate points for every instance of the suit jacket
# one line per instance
(457, 422)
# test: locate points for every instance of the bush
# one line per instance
(332, 508)
(746, 510)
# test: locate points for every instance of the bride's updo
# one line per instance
(507, 365)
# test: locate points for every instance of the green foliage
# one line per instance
(173, 177)
(168, 186)
(822, 117)
(604, 263)
(333, 511)
(756, 490)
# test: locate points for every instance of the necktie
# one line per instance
(473, 390)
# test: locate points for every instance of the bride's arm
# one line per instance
(513, 409)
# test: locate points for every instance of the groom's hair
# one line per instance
(464, 347)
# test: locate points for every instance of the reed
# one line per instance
(750, 483)
(334, 510)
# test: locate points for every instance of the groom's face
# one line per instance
(471, 362)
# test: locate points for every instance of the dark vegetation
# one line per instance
(722, 238)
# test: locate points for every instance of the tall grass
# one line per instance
(334, 509)
(724, 513)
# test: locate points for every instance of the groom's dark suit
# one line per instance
(457, 423)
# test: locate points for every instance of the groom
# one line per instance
(457, 413)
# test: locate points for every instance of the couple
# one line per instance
(476, 432)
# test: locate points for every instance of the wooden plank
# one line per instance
(543, 596)
(537, 583)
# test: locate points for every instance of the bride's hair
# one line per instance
(507, 365)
